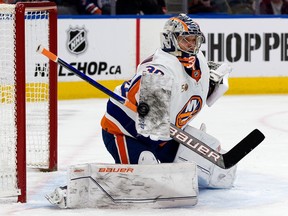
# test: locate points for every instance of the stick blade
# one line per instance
(245, 146)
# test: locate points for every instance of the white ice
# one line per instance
(261, 187)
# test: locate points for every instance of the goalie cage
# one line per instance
(28, 94)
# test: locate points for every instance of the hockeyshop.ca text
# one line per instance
(236, 47)
(92, 68)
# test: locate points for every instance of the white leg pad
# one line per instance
(119, 185)
(209, 175)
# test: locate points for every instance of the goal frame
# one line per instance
(20, 9)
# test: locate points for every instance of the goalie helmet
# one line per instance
(181, 26)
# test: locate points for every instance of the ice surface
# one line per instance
(261, 187)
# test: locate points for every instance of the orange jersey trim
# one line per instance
(109, 126)
(122, 149)
(133, 91)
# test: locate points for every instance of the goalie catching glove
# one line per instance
(219, 74)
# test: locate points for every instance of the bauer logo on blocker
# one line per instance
(77, 40)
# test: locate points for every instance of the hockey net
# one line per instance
(28, 94)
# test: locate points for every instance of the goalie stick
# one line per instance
(225, 161)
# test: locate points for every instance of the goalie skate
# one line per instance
(58, 197)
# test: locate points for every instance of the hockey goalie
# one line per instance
(170, 87)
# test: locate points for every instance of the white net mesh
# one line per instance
(37, 89)
(8, 133)
(37, 95)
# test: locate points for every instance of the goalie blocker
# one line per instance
(120, 185)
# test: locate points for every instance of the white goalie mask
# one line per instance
(181, 29)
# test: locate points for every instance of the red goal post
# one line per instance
(28, 94)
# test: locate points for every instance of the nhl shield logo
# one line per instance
(77, 40)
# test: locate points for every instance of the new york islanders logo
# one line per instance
(190, 109)
(77, 40)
